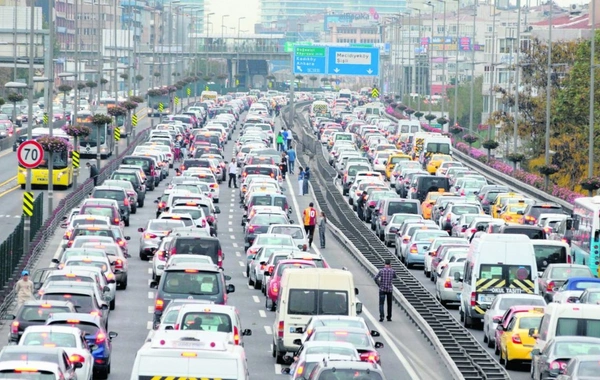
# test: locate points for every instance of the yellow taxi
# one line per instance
(515, 342)
(427, 205)
(435, 162)
(392, 160)
(501, 201)
(512, 211)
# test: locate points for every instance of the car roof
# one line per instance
(84, 317)
(47, 302)
(201, 267)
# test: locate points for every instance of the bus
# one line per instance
(62, 168)
(585, 240)
(88, 146)
(209, 95)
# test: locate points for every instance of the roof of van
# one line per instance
(317, 272)
(558, 307)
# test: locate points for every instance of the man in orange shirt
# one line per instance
(310, 221)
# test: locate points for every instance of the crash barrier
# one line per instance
(460, 351)
(44, 231)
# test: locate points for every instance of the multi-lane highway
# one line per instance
(406, 355)
(519, 373)
(11, 193)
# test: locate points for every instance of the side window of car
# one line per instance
(66, 362)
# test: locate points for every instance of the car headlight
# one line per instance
(19, 117)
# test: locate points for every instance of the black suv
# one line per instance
(135, 179)
(118, 194)
(34, 313)
(533, 211)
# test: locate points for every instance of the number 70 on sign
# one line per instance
(30, 154)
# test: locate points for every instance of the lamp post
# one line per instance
(592, 97)
(205, 42)
(492, 75)
(444, 63)
(430, 51)
(73, 121)
(456, 63)
(548, 90)
(237, 60)
(76, 89)
(517, 73)
(471, 93)
(416, 88)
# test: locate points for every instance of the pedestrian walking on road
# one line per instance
(283, 165)
(232, 169)
(24, 289)
(306, 180)
(289, 137)
(384, 280)
(279, 141)
(93, 172)
(291, 153)
(300, 180)
(310, 221)
(322, 229)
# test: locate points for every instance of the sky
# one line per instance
(235, 9)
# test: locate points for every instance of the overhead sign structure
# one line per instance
(336, 60)
(30, 154)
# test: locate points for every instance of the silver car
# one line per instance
(447, 289)
(151, 235)
(393, 226)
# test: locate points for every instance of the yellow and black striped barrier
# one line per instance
(117, 134)
(161, 107)
(75, 157)
(46, 118)
(28, 203)
(176, 100)
(134, 120)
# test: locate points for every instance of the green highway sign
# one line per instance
(309, 51)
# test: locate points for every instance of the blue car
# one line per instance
(419, 244)
(573, 288)
(99, 341)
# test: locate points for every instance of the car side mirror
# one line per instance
(112, 335)
(535, 351)
(267, 273)
(375, 333)
(359, 307)
(156, 201)
(106, 289)
(111, 281)
(356, 291)
(297, 342)
(104, 307)
(141, 229)
(379, 345)
(497, 319)
(385, 162)
(9, 317)
(246, 332)
(55, 261)
(500, 328)
(217, 210)
(169, 328)
(78, 365)
(291, 221)
(153, 285)
(230, 288)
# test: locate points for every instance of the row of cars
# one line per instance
(492, 251)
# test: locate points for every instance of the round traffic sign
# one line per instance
(30, 154)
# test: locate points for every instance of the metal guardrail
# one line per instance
(455, 344)
(51, 224)
(498, 177)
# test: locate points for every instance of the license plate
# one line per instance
(485, 298)
(459, 296)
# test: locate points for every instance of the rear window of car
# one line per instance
(207, 321)
(93, 232)
(403, 208)
(265, 220)
(198, 246)
(536, 211)
(532, 233)
(95, 210)
(39, 313)
(82, 302)
(191, 282)
(117, 195)
(81, 222)
(195, 214)
(145, 164)
(466, 209)
(260, 170)
(435, 183)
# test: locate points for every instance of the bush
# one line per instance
(54, 144)
(548, 169)
(117, 111)
(429, 117)
(91, 84)
(401, 107)
(77, 130)
(409, 111)
(470, 139)
(154, 92)
(591, 183)
(64, 88)
(419, 114)
(515, 157)
(15, 97)
(136, 99)
(456, 129)
(442, 120)
(100, 119)
(128, 105)
(490, 144)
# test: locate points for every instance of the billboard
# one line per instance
(346, 19)
(449, 44)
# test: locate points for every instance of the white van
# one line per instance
(550, 252)
(175, 354)
(409, 126)
(496, 264)
(305, 293)
(567, 319)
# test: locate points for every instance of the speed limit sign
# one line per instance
(30, 154)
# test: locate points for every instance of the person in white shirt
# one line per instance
(289, 138)
(233, 171)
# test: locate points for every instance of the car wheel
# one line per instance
(467, 321)
(496, 349)
(133, 209)
(141, 203)
(279, 357)
(250, 281)
(113, 303)
(257, 284)
(426, 273)
(143, 256)
(123, 284)
(388, 243)
(216, 200)
(490, 343)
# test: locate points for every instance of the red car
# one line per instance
(505, 319)
(275, 280)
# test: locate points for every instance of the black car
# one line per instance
(423, 185)
(136, 180)
(34, 313)
(148, 164)
(83, 299)
(194, 243)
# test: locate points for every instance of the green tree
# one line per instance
(464, 100)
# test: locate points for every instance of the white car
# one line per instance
(296, 231)
(159, 260)
(197, 214)
(380, 161)
(185, 218)
(70, 339)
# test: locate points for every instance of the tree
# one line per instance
(80, 86)
(313, 79)
(464, 100)
(124, 76)
(91, 85)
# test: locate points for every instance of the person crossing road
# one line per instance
(310, 221)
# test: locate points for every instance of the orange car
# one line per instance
(427, 205)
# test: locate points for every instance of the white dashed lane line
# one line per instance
(262, 313)
(256, 299)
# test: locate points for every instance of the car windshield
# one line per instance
(49, 339)
(526, 323)
(403, 208)
(275, 240)
(100, 211)
(83, 303)
(191, 282)
(195, 214)
(562, 273)
(583, 285)
(90, 231)
(79, 222)
(428, 235)
(356, 338)
(207, 321)
(266, 220)
(465, 209)
(40, 313)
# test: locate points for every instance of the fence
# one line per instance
(42, 232)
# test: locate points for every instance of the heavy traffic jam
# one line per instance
(523, 271)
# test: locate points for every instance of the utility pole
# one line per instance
(517, 73)
(492, 76)
(75, 89)
(456, 64)
(592, 95)
(472, 70)
(549, 90)
(27, 219)
(49, 106)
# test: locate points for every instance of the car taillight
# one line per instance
(203, 224)
(67, 235)
(270, 269)
(69, 243)
(100, 338)
(463, 229)
(150, 236)
(95, 313)
(119, 264)
(557, 365)
(530, 219)
(550, 286)
(161, 255)
(371, 357)
(14, 327)
(116, 220)
(473, 299)
(251, 229)
(516, 339)
(76, 358)
(220, 257)
(236, 336)
(121, 242)
(569, 258)
(406, 239)
(280, 328)
(214, 186)
(159, 305)
(126, 201)
(414, 249)
(448, 284)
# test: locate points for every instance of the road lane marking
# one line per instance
(262, 313)
(150, 309)
(231, 230)
(244, 274)
(230, 216)
(268, 330)
(230, 223)
(8, 180)
(10, 190)
(149, 325)
(256, 299)
(234, 245)
(250, 287)
(241, 263)
(149, 270)
(150, 295)
(230, 210)
(238, 254)
(232, 236)
(278, 368)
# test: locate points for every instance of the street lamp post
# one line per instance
(444, 64)
(548, 90)
(430, 51)
(416, 88)
(472, 89)
(237, 60)
(456, 63)
(73, 121)
(205, 42)
(592, 97)
(492, 76)
(517, 73)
